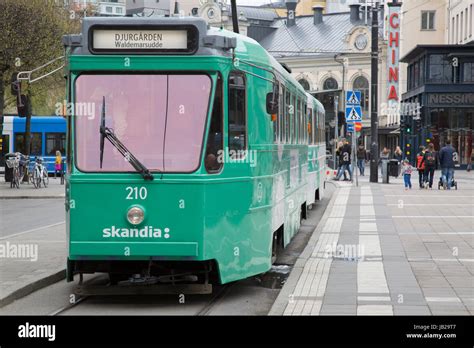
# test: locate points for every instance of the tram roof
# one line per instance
(209, 41)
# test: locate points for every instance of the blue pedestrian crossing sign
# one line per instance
(353, 113)
(353, 98)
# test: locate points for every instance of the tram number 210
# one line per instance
(136, 192)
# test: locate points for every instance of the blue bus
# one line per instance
(48, 134)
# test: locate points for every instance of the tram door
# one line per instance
(4, 148)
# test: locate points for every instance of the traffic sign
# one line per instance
(358, 126)
(353, 113)
(350, 127)
(353, 97)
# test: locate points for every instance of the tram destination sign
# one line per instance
(142, 40)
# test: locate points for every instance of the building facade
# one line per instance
(461, 22)
(330, 54)
(441, 81)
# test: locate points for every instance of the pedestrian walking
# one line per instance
(398, 155)
(446, 163)
(339, 160)
(406, 171)
(58, 164)
(384, 157)
(361, 158)
(345, 160)
(420, 166)
(430, 162)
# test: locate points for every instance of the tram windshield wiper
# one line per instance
(107, 133)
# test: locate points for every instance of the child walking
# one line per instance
(407, 169)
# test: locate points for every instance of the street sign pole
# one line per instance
(374, 147)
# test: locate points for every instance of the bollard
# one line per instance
(385, 171)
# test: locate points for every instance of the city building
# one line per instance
(461, 22)
(97, 7)
(330, 54)
(441, 80)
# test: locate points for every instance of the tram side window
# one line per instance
(35, 144)
(316, 126)
(287, 117)
(276, 124)
(281, 113)
(310, 126)
(55, 142)
(215, 139)
(293, 123)
(237, 115)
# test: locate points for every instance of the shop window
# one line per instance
(468, 72)
(440, 69)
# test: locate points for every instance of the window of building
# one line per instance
(305, 84)
(118, 10)
(35, 143)
(462, 27)
(55, 142)
(468, 72)
(108, 9)
(457, 28)
(427, 20)
(467, 26)
(330, 83)
(215, 139)
(237, 114)
(470, 24)
(452, 31)
(441, 70)
(362, 84)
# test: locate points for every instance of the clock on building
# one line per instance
(361, 42)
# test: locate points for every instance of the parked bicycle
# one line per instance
(19, 165)
(39, 174)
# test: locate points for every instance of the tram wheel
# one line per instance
(115, 278)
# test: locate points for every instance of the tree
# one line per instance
(31, 32)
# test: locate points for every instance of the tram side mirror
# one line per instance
(272, 103)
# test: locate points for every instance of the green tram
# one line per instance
(193, 155)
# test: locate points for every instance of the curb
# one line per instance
(32, 197)
(32, 287)
(278, 307)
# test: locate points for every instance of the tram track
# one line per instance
(68, 306)
(215, 299)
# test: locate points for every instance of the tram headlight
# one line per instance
(135, 215)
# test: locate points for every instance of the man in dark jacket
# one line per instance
(446, 162)
(345, 160)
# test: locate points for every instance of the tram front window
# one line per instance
(159, 118)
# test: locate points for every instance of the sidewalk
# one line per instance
(33, 259)
(26, 190)
(381, 250)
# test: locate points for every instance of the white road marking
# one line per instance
(443, 299)
(371, 278)
(32, 230)
(374, 310)
(374, 298)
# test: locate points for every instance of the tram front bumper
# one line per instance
(147, 249)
